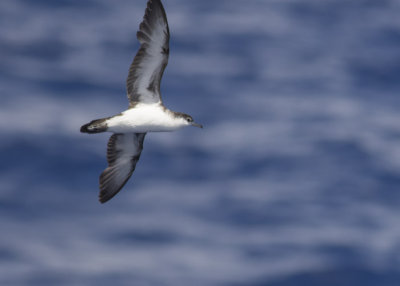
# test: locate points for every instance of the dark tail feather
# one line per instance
(95, 126)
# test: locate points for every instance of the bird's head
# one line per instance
(188, 120)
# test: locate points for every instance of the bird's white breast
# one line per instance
(144, 118)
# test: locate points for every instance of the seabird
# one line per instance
(146, 112)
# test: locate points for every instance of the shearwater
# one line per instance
(146, 112)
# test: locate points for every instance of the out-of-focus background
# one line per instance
(294, 180)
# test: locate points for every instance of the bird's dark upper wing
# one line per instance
(123, 152)
(147, 68)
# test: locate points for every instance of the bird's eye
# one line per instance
(189, 120)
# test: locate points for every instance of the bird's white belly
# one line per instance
(143, 118)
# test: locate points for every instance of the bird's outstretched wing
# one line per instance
(123, 152)
(147, 68)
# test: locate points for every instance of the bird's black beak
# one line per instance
(197, 125)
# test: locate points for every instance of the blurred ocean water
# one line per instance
(295, 179)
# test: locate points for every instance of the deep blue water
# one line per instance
(294, 180)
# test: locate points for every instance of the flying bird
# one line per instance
(146, 112)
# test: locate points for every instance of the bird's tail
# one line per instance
(95, 126)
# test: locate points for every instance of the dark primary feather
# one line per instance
(123, 152)
(147, 68)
